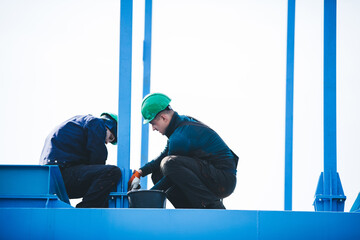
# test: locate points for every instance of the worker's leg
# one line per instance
(202, 184)
(173, 193)
(91, 182)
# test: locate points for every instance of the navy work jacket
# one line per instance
(79, 140)
(196, 141)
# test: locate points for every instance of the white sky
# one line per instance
(222, 62)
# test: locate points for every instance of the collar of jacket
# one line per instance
(174, 123)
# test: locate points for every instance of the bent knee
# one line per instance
(168, 163)
(114, 172)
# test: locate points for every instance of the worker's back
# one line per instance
(79, 140)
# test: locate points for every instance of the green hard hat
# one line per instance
(153, 104)
(111, 121)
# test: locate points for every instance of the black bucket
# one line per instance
(147, 199)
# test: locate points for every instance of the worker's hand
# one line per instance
(134, 182)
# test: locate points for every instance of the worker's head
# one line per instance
(110, 120)
(152, 104)
(156, 110)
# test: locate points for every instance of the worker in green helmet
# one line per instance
(196, 169)
(78, 147)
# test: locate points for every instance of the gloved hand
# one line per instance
(134, 182)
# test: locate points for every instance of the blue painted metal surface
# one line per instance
(146, 85)
(119, 199)
(329, 198)
(329, 194)
(289, 105)
(330, 85)
(124, 112)
(126, 10)
(356, 206)
(175, 224)
(32, 186)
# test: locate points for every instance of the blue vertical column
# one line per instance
(329, 194)
(329, 89)
(124, 111)
(146, 84)
(289, 105)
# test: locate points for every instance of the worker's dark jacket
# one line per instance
(196, 141)
(79, 140)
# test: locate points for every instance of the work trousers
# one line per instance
(91, 182)
(193, 183)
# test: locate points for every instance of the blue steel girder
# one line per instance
(175, 224)
(146, 84)
(329, 194)
(289, 105)
(124, 111)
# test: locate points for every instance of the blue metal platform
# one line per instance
(37, 223)
(34, 205)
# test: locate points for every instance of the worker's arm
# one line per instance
(154, 165)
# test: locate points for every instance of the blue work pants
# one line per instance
(91, 182)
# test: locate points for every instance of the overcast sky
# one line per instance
(223, 62)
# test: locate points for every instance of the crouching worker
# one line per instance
(196, 169)
(78, 147)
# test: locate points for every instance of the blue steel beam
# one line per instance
(124, 111)
(175, 224)
(123, 153)
(329, 87)
(289, 105)
(146, 84)
(329, 193)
